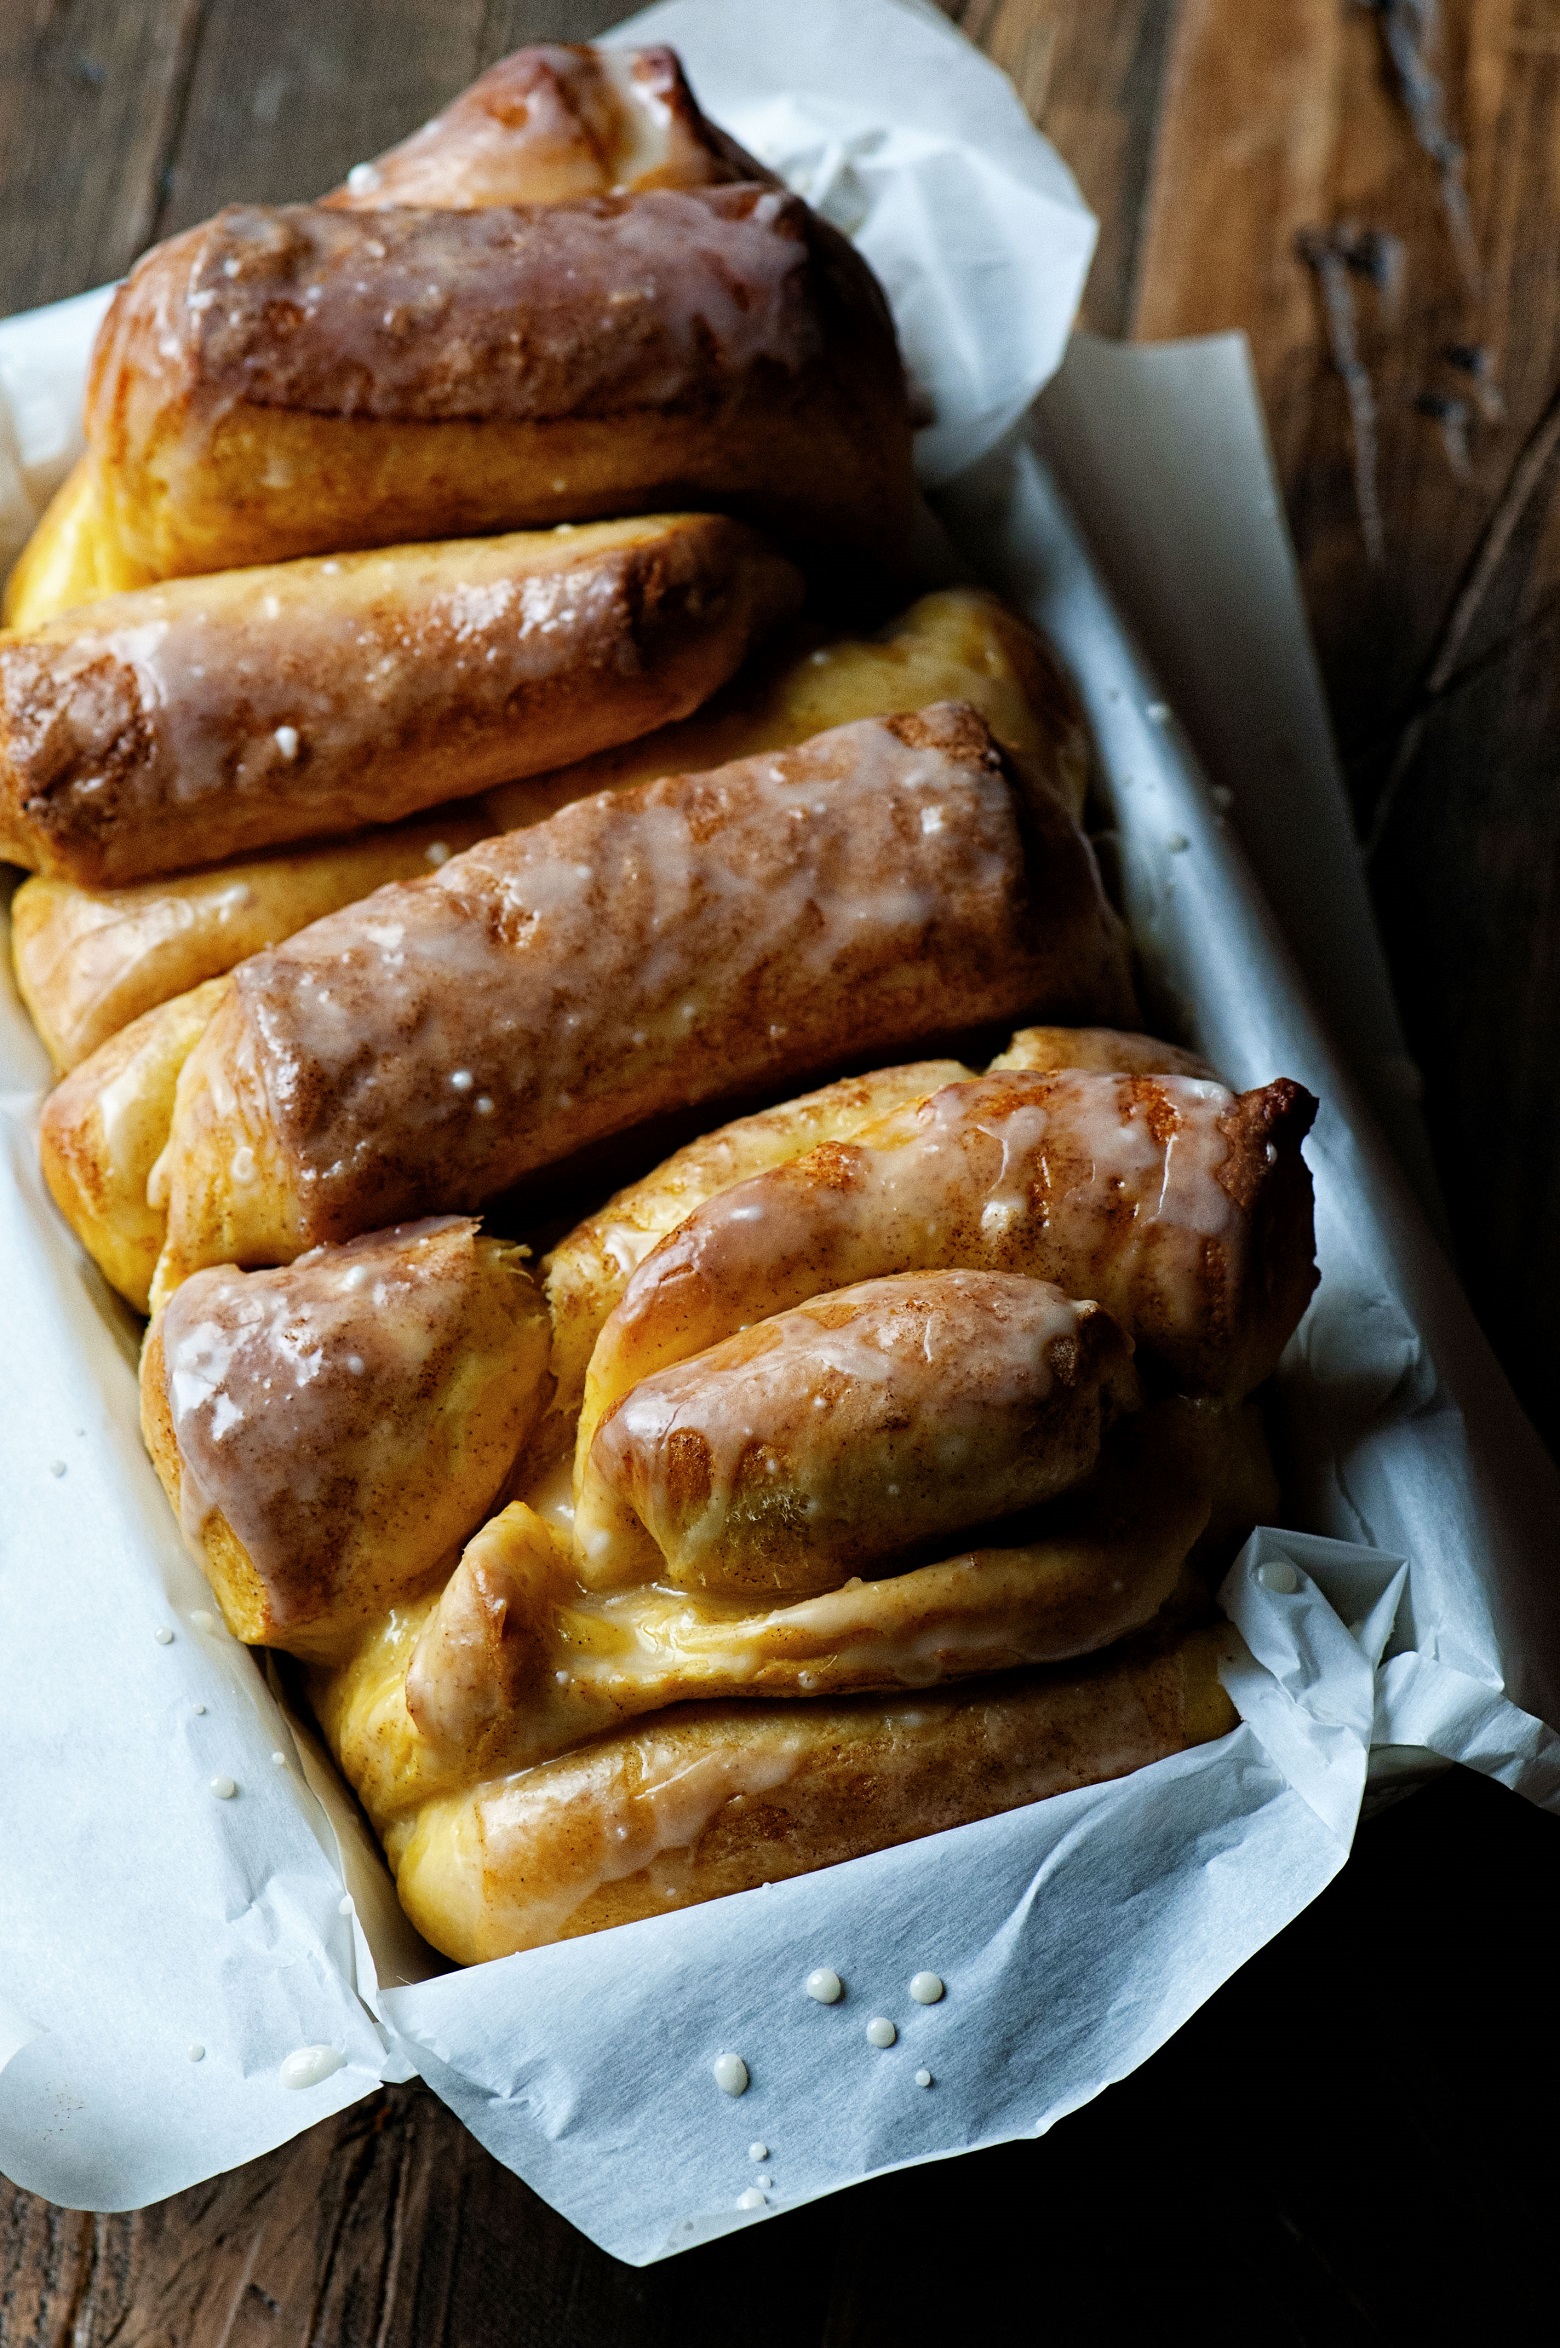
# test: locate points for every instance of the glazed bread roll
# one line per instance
(715, 1798)
(832, 1439)
(295, 380)
(90, 960)
(1104, 1050)
(958, 644)
(329, 1435)
(515, 1662)
(104, 1128)
(588, 1270)
(1182, 1208)
(424, 1050)
(215, 716)
(542, 126)
(550, 124)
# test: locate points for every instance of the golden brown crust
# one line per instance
(710, 1799)
(1184, 1211)
(330, 1433)
(208, 718)
(103, 1128)
(283, 381)
(89, 961)
(1106, 1050)
(637, 951)
(849, 1433)
(550, 124)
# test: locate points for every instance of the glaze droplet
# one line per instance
(758, 2151)
(1279, 1576)
(751, 2199)
(881, 2031)
(731, 2074)
(826, 1986)
(346, 1905)
(923, 2078)
(286, 739)
(926, 1988)
(223, 1788)
(163, 1635)
(56, 1467)
(306, 2066)
(202, 1620)
(198, 1708)
(278, 1760)
(197, 2054)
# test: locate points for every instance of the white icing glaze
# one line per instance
(831, 1437)
(926, 1988)
(1056, 1176)
(730, 2074)
(881, 2031)
(825, 1985)
(310, 2066)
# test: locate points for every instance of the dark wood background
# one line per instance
(1334, 2150)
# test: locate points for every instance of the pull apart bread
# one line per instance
(220, 715)
(865, 1467)
(89, 960)
(296, 379)
(864, 1549)
(641, 951)
(550, 123)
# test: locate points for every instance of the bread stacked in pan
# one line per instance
(452, 722)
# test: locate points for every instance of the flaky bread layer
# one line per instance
(1182, 1208)
(957, 644)
(547, 125)
(153, 731)
(708, 1799)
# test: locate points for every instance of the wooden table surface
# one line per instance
(1328, 2152)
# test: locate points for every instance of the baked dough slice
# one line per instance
(212, 717)
(1184, 1209)
(708, 1799)
(90, 960)
(329, 1436)
(637, 952)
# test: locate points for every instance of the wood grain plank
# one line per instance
(284, 100)
(90, 98)
(1281, 116)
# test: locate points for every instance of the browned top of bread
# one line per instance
(524, 313)
(638, 951)
(555, 120)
